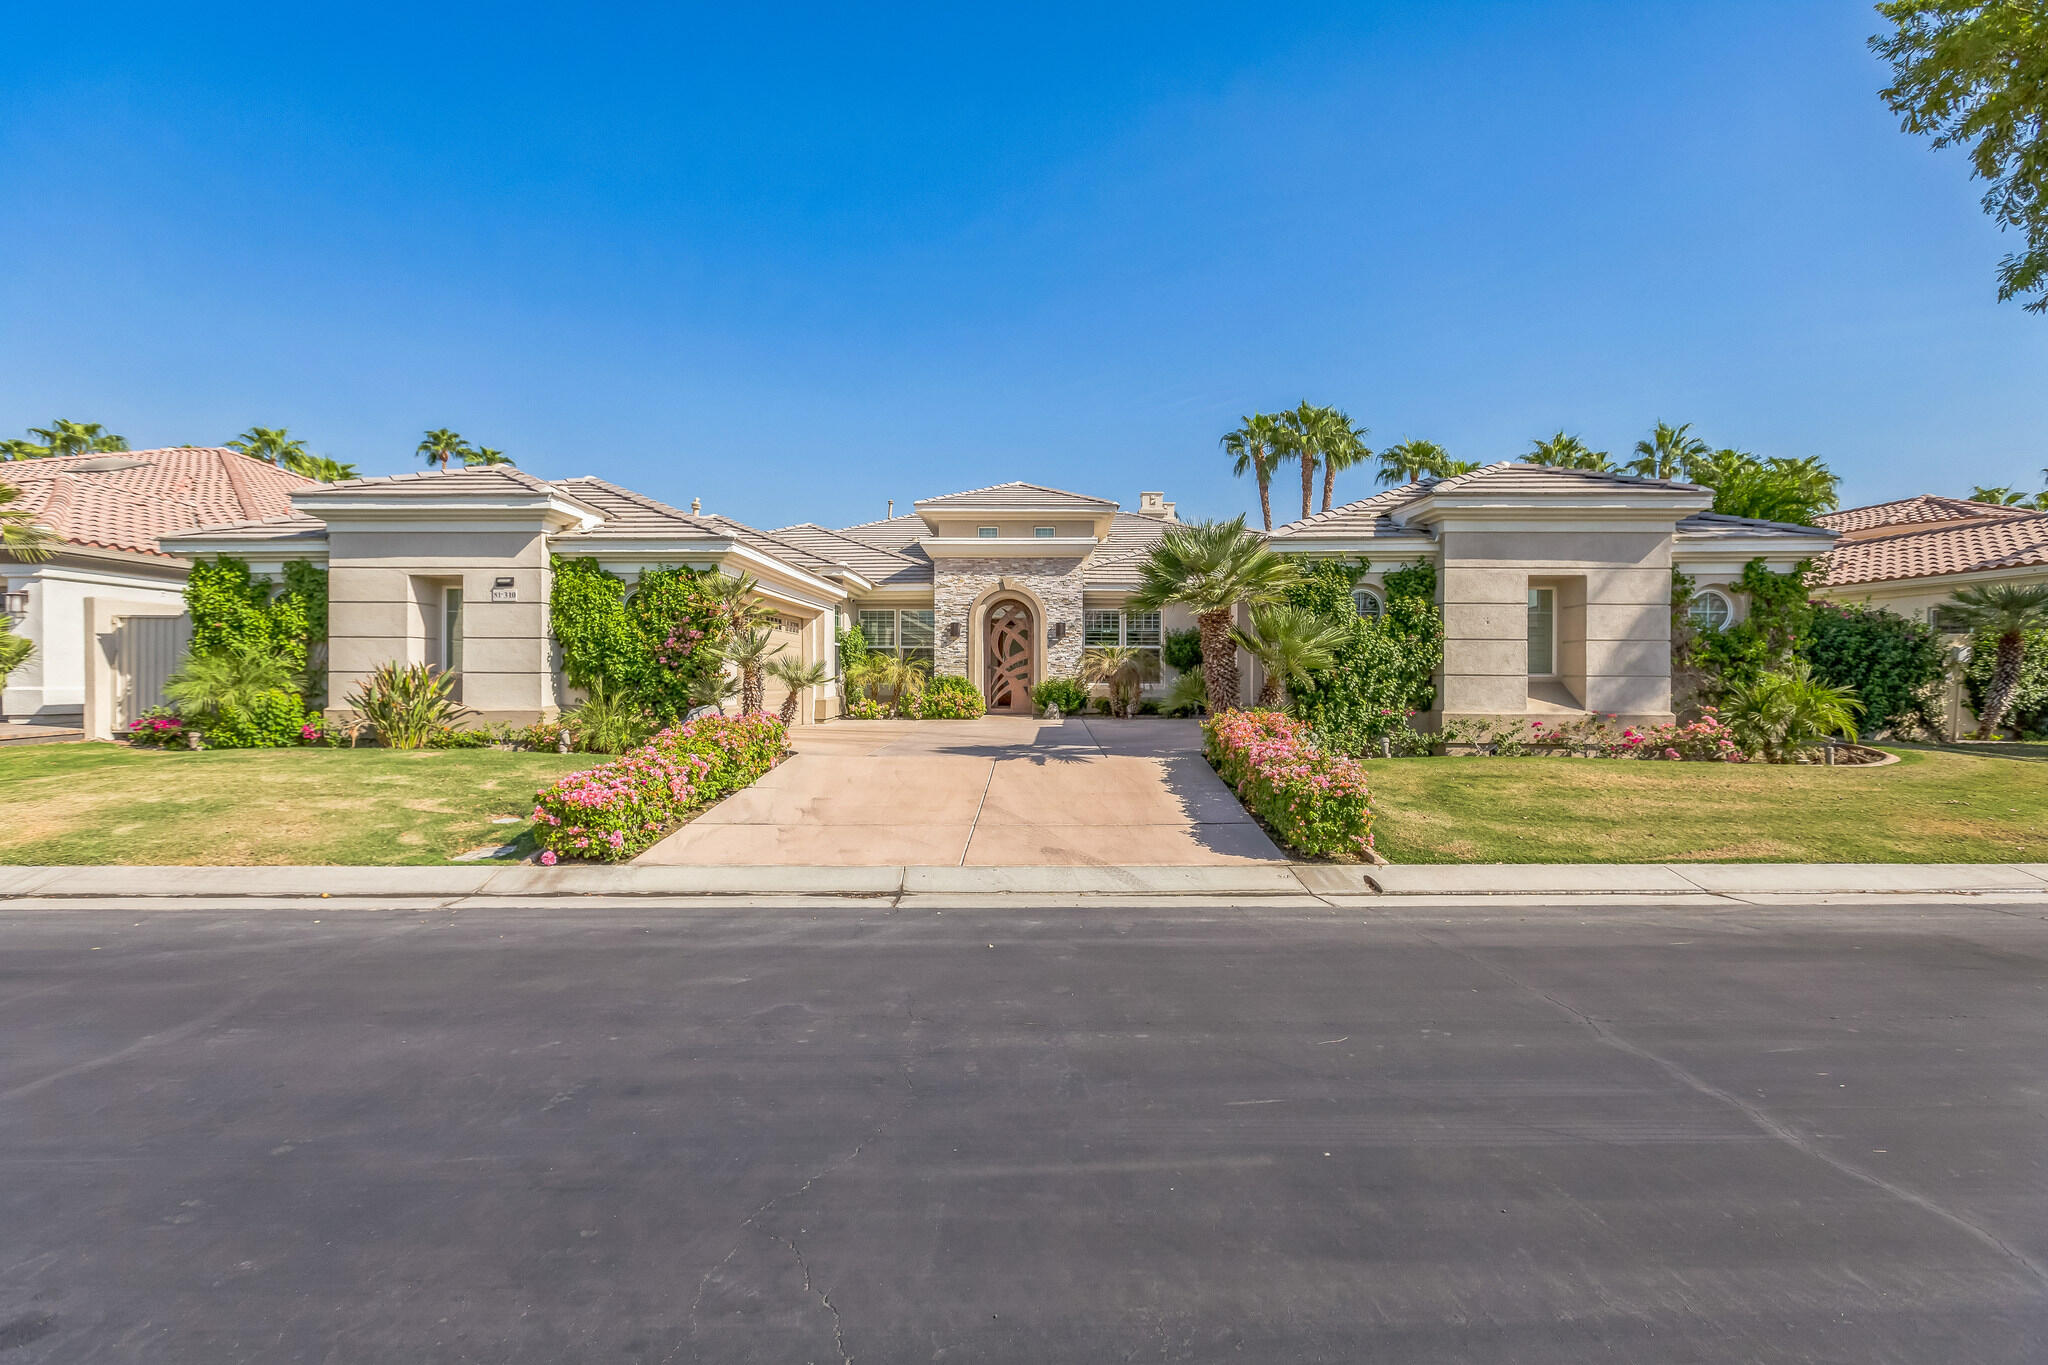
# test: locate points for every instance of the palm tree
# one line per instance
(713, 688)
(320, 467)
(750, 651)
(484, 455)
(2002, 496)
(1785, 714)
(272, 445)
(735, 602)
(1409, 460)
(439, 444)
(795, 675)
(1778, 489)
(14, 651)
(1668, 453)
(2006, 611)
(1563, 451)
(22, 450)
(1255, 449)
(1211, 567)
(19, 536)
(1347, 448)
(1125, 670)
(1308, 434)
(1290, 644)
(77, 438)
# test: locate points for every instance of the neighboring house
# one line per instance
(108, 514)
(1555, 583)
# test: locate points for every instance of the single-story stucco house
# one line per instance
(1555, 583)
(107, 515)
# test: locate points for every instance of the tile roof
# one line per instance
(879, 566)
(1519, 476)
(1929, 550)
(1928, 508)
(627, 513)
(894, 533)
(1373, 516)
(1015, 494)
(1720, 526)
(128, 500)
(494, 478)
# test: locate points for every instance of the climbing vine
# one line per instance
(233, 610)
(1767, 639)
(650, 644)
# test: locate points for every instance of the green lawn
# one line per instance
(106, 803)
(1933, 806)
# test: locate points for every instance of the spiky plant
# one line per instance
(607, 721)
(713, 688)
(407, 704)
(2005, 612)
(795, 675)
(1212, 568)
(1290, 644)
(1124, 670)
(1784, 714)
(235, 679)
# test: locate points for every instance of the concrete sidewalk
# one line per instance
(27, 886)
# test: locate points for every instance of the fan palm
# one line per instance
(749, 650)
(1124, 670)
(483, 455)
(1254, 448)
(1307, 435)
(1290, 644)
(272, 445)
(2006, 612)
(1668, 453)
(713, 688)
(1784, 714)
(1213, 567)
(1409, 460)
(735, 601)
(19, 536)
(206, 684)
(439, 444)
(320, 467)
(1347, 448)
(77, 438)
(2002, 496)
(795, 675)
(1564, 451)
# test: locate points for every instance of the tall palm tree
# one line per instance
(750, 651)
(1563, 451)
(272, 445)
(1211, 567)
(439, 444)
(1668, 453)
(795, 675)
(1254, 448)
(2007, 612)
(2002, 496)
(1347, 448)
(1290, 644)
(484, 455)
(22, 450)
(320, 467)
(77, 438)
(1408, 460)
(1308, 433)
(24, 539)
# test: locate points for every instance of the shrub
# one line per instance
(651, 645)
(1782, 715)
(448, 737)
(951, 697)
(243, 697)
(233, 612)
(1885, 659)
(1313, 801)
(862, 707)
(1766, 640)
(1066, 693)
(1182, 650)
(615, 811)
(1103, 706)
(157, 728)
(1188, 695)
(407, 704)
(1384, 672)
(607, 722)
(274, 720)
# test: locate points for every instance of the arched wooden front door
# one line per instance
(1007, 663)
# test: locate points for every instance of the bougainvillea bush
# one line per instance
(614, 811)
(952, 698)
(1312, 801)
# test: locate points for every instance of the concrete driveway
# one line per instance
(1003, 791)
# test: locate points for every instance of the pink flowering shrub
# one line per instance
(616, 810)
(157, 728)
(1313, 802)
(1706, 740)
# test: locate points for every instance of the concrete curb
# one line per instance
(1250, 881)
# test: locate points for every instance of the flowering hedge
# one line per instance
(1314, 802)
(616, 810)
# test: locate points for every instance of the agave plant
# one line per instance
(407, 704)
(795, 676)
(1124, 670)
(607, 721)
(1785, 714)
(1290, 644)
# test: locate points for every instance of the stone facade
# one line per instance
(1055, 582)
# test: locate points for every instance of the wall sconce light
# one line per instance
(952, 630)
(1059, 631)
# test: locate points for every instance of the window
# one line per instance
(451, 630)
(1542, 632)
(1944, 619)
(1042, 532)
(1131, 630)
(1710, 610)
(1368, 603)
(985, 532)
(906, 634)
(1104, 629)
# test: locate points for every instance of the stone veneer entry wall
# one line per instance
(1056, 583)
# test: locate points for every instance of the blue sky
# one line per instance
(799, 262)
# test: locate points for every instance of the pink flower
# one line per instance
(548, 859)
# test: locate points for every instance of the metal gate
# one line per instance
(147, 650)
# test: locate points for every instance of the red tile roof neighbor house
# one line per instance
(126, 500)
(1928, 537)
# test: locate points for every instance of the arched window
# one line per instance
(1711, 610)
(1368, 603)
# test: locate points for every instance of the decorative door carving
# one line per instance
(1009, 657)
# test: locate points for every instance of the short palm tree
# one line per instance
(795, 675)
(1785, 714)
(713, 688)
(1124, 670)
(1347, 448)
(438, 445)
(272, 445)
(19, 536)
(320, 467)
(14, 651)
(207, 684)
(1668, 453)
(750, 651)
(1291, 644)
(2006, 612)
(1564, 451)
(1212, 568)
(1254, 448)
(735, 601)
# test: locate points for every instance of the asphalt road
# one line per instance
(1456, 1135)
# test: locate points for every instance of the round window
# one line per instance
(1368, 603)
(1711, 610)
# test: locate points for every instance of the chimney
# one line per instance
(1156, 506)
(696, 507)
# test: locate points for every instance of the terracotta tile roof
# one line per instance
(128, 500)
(1014, 494)
(1921, 549)
(495, 478)
(1927, 509)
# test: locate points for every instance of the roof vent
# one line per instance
(106, 464)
